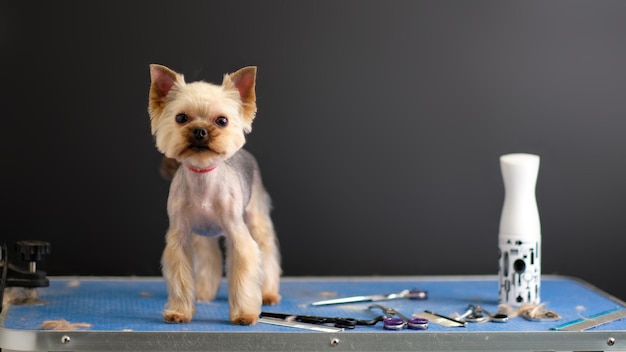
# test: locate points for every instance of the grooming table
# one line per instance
(125, 314)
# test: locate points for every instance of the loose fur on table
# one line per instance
(20, 296)
(63, 324)
(530, 311)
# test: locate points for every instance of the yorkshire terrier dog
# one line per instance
(216, 191)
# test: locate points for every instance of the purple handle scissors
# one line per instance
(401, 321)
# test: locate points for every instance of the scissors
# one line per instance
(474, 314)
(410, 294)
(401, 321)
(346, 323)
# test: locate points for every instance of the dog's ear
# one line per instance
(162, 80)
(244, 80)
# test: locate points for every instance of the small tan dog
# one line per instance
(217, 191)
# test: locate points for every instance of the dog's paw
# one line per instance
(270, 299)
(175, 317)
(245, 319)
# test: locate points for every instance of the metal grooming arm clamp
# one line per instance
(13, 276)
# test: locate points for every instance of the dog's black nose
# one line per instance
(199, 133)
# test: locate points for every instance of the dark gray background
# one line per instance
(379, 129)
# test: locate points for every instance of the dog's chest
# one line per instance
(206, 206)
(205, 201)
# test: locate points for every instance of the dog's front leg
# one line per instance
(177, 263)
(244, 275)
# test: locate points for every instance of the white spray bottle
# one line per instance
(520, 231)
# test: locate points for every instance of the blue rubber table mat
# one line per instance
(136, 304)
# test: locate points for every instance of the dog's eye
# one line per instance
(182, 118)
(221, 121)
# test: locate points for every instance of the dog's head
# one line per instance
(199, 123)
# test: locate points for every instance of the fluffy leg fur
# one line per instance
(244, 274)
(262, 230)
(208, 266)
(178, 273)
